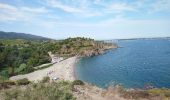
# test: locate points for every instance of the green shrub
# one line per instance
(135, 94)
(45, 79)
(40, 91)
(161, 91)
(23, 81)
(9, 82)
(27, 70)
(2, 79)
(12, 94)
(22, 67)
(4, 83)
(4, 73)
(77, 82)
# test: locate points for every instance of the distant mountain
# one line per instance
(15, 35)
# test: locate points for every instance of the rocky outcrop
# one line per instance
(90, 92)
(97, 51)
(81, 47)
(89, 53)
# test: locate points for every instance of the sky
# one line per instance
(97, 19)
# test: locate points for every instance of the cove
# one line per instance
(135, 64)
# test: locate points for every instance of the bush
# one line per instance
(4, 74)
(9, 82)
(4, 83)
(40, 91)
(162, 91)
(12, 94)
(77, 82)
(2, 79)
(27, 70)
(23, 81)
(22, 67)
(45, 79)
(135, 94)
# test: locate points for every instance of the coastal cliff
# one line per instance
(97, 51)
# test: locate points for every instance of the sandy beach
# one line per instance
(62, 70)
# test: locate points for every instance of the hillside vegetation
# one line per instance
(14, 35)
(61, 90)
(19, 56)
(76, 90)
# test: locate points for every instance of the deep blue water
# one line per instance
(135, 64)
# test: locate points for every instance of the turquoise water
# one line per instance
(135, 64)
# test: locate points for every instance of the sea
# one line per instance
(135, 64)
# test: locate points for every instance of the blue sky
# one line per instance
(98, 19)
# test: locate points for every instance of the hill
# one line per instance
(14, 35)
(20, 56)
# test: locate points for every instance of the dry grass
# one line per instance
(40, 91)
(164, 92)
(65, 90)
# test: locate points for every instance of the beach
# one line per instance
(63, 70)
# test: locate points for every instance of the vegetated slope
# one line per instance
(19, 56)
(76, 90)
(84, 47)
(14, 35)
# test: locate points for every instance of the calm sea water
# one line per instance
(135, 64)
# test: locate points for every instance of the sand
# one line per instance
(62, 70)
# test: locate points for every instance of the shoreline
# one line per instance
(74, 68)
(64, 70)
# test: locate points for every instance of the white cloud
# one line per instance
(75, 7)
(8, 12)
(121, 7)
(118, 8)
(97, 1)
(161, 5)
(12, 13)
(57, 4)
(34, 10)
(85, 8)
(8, 7)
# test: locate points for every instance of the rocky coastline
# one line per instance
(98, 51)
